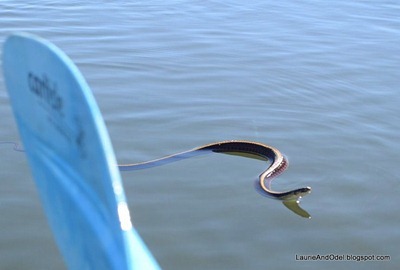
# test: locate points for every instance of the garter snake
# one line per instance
(277, 165)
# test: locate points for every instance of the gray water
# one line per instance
(319, 80)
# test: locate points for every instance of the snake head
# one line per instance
(294, 195)
(293, 203)
(301, 192)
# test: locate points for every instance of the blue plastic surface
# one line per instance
(71, 158)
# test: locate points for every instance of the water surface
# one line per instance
(318, 80)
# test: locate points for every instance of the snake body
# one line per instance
(16, 146)
(277, 165)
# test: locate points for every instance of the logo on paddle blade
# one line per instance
(46, 91)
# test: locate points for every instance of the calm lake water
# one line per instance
(319, 80)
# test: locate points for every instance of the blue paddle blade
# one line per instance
(71, 158)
